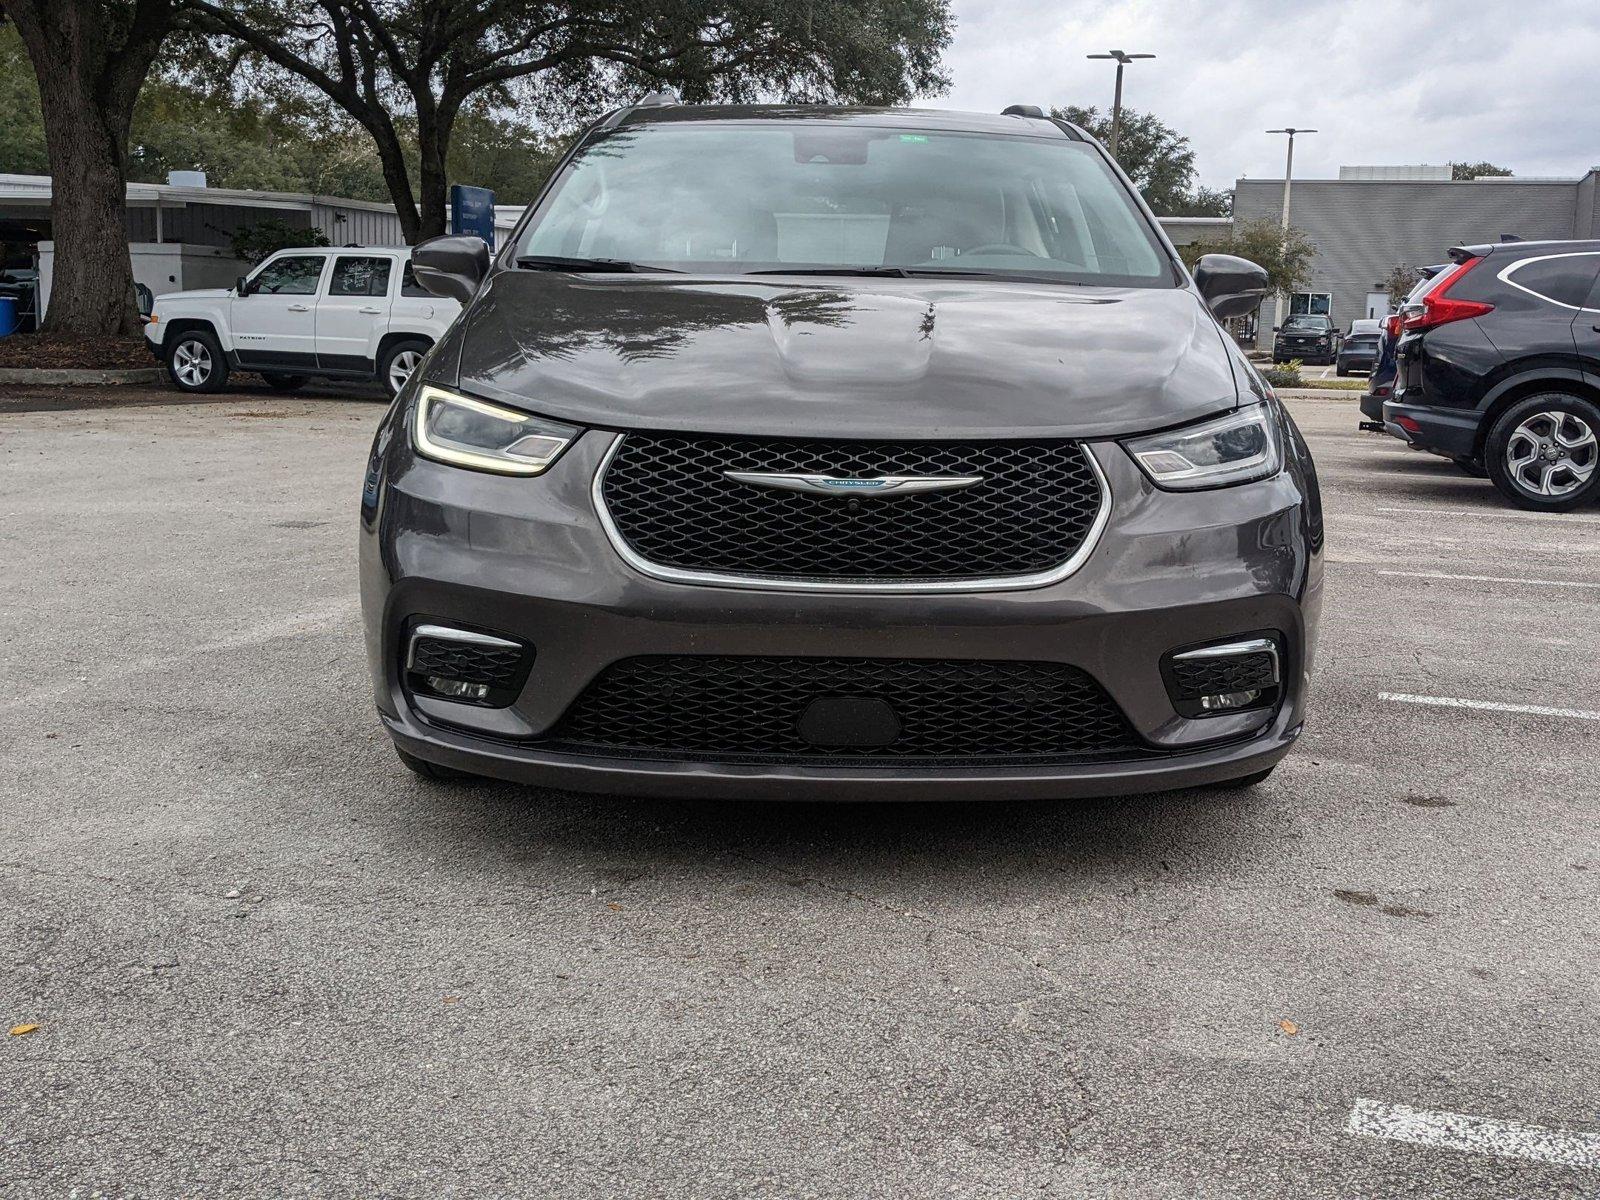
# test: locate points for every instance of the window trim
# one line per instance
(1512, 268)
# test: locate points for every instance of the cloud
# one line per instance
(1384, 82)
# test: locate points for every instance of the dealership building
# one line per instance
(1373, 219)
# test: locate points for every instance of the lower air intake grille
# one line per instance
(497, 666)
(672, 502)
(764, 709)
(1235, 673)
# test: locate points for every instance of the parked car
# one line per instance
(348, 313)
(1307, 338)
(1361, 325)
(1357, 353)
(848, 453)
(1380, 384)
(1498, 366)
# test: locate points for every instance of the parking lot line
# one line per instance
(1458, 1131)
(1571, 583)
(1537, 710)
(1496, 514)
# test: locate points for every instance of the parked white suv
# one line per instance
(354, 313)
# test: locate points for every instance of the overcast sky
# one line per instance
(1386, 81)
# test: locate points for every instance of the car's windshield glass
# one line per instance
(1306, 325)
(723, 198)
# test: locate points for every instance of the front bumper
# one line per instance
(528, 558)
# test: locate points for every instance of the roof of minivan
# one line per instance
(911, 118)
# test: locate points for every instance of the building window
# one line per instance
(1314, 304)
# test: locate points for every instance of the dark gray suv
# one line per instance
(807, 452)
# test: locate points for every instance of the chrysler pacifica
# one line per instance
(807, 452)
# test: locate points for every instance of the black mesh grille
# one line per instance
(497, 666)
(670, 500)
(1218, 676)
(722, 708)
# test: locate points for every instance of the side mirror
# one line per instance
(1231, 287)
(451, 267)
(241, 286)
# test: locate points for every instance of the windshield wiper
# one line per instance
(890, 272)
(562, 262)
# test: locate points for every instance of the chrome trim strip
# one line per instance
(449, 634)
(1234, 649)
(830, 485)
(870, 587)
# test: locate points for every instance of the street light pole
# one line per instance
(1122, 60)
(1288, 180)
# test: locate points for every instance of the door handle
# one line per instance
(299, 308)
(368, 309)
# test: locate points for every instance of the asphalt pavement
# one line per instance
(265, 960)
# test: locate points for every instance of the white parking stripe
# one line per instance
(1457, 1131)
(1537, 710)
(1490, 579)
(1496, 514)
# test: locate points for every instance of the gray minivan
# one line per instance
(797, 452)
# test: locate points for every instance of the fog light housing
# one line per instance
(1227, 700)
(457, 689)
(466, 666)
(1215, 678)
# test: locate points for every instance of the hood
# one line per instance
(843, 358)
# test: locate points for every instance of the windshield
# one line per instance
(1307, 325)
(723, 198)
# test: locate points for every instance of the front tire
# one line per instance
(1246, 781)
(397, 363)
(1543, 453)
(432, 772)
(195, 362)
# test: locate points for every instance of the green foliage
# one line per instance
(1285, 254)
(1283, 375)
(411, 72)
(1156, 157)
(255, 242)
(1477, 170)
(1399, 282)
(22, 150)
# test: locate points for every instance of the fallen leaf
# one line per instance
(19, 1030)
(451, 999)
(1289, 1027)
(614, 907)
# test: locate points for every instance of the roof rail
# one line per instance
(1022, 110)
(658, 99)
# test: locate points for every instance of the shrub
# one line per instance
(255, 242)
(1285, 375)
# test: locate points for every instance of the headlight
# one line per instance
(1234, 448)
(485, 437)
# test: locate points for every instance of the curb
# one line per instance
(75, 377)
(1302, 393)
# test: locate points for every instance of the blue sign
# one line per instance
(472, 211)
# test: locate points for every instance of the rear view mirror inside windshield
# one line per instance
(834, 148)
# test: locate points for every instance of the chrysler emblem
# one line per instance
(833, 485)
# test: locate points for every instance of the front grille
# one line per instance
(716, 708)
(672, 504)
(497, 666)
(1219, 676)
